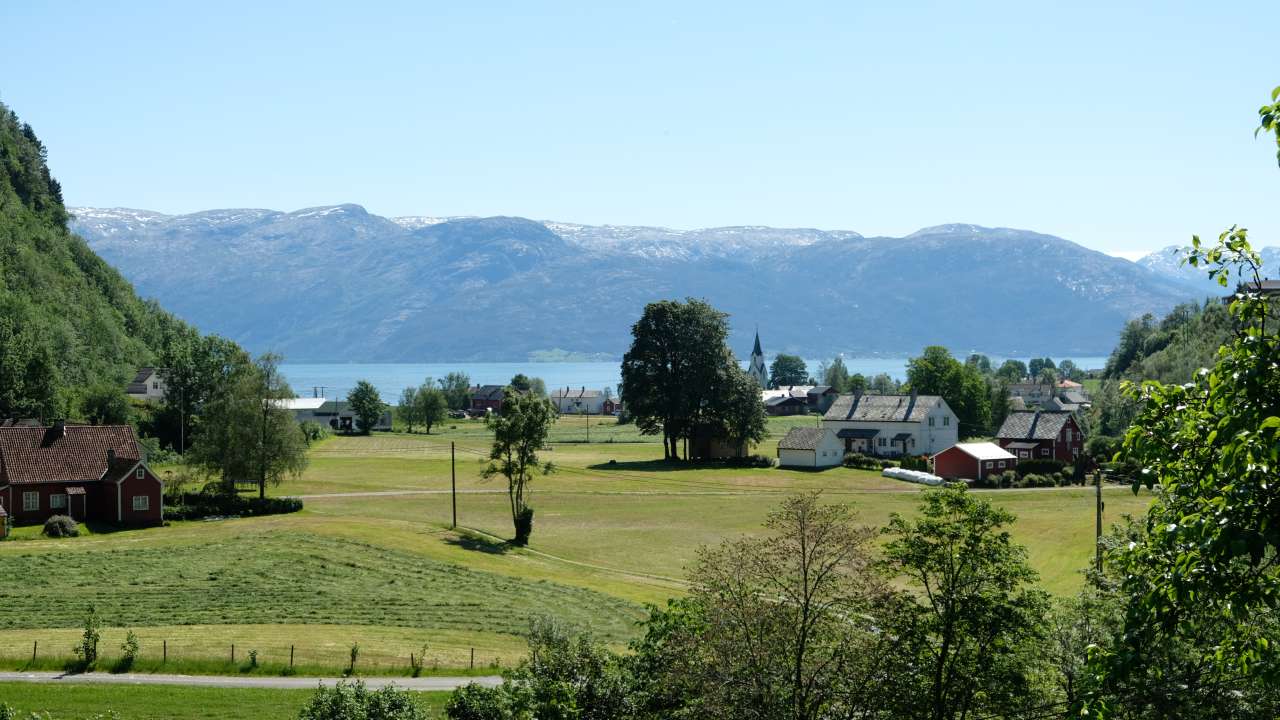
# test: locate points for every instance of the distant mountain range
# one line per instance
(339, 284)
(1167, 263)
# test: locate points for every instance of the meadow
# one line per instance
(373, 560)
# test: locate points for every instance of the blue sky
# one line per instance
(1122, 126)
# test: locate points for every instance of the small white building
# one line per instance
(893, 425)
(148, 385)
(579, 401)
(811, 448)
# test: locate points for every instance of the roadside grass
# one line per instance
(160, 702)
(372, 557)
(318, 650)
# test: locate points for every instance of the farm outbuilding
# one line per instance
(973, 461)
(810, 447)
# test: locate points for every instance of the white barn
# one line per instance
(576, 401)
(893, 425)
(810, 447)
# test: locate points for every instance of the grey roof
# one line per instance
(487, 392)
(1074, 396)
(1041, 425)
(802, 439)
(820, 389)
(858, 433)
(882, 408)
(1060, 404)
(575, 393)
(781, 399)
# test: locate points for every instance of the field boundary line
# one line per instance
(421, 684)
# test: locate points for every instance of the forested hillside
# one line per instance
(70, 325)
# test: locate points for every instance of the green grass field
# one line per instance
(372, 559)
(152, 702)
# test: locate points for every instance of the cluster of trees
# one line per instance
(680, 379)
(820, 619)
(837, 375)
(425, 405)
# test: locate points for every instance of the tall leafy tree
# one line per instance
(409, 411)
(246, 433)
(936, 372)
(366, 404)
(741, 411)
(432, 407)
(678, 357)
(457, 390)
(1012, 371)
(965, 633)
(786, 370)
(519, 432)
(835, 374)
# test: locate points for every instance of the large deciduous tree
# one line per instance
(964, 388)
(519, 432)
(432, 406)
(366, 404)
(457, 390)
(246, 432)
(787, 370)
(673, 371)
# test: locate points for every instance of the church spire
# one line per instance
(756, 369)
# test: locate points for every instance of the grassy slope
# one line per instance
(151, 702)
(381, 566)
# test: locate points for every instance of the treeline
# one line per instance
(936, 615)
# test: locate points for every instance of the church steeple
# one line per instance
(757, 369)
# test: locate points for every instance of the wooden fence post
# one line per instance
(233, 653)
(473, 658)
(166, 652)
(34, 645)
(290, 656)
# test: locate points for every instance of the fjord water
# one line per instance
(390, 378)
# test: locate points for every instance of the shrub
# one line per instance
(1039, 466)
(201, 505)
(60, 526)
(914, 462)
(313, 431)
(1103, 448)
(417, 661)
(353, 701)
(860, 461)
(756, 461)
(157, 454)
(128, 651)
(476, 702)
(886, 464)
(86, 649)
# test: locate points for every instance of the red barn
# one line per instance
(90, 472)
(487, 398)
(1042, 435)
(973, 461)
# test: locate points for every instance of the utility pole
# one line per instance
(453, 482)
(1097, 539)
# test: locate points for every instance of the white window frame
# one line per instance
(931, 421)
(58, 501)
(142, 506)
(946, 420)
(140, 473)
(30, 500)
(1044, 452)
(1002, 464)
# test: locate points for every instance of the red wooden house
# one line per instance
(487, 398)
(974, 461)
(1042, 435)
(90, 472)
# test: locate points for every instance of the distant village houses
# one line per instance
(336, 415)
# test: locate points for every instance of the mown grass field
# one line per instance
(372, 559)
(152, 702)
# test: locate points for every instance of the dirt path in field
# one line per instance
(275, 683)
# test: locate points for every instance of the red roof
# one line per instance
(71, 453)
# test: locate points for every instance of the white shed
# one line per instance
(810, 447)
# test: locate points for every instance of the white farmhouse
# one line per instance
(148, 384)
(811, 448)
(577, 401)
(893, 425)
